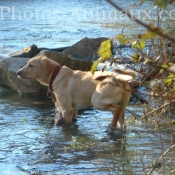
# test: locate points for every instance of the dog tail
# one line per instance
(124, 75)
(126, 72)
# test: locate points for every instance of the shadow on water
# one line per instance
(30, 144)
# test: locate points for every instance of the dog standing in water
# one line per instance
(79, 89)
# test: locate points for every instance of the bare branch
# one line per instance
(170, 69)
(140, 22)
(162, 156)
(158, 109)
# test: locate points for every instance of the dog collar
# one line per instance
(54, 74)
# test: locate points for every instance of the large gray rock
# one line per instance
(64, 60)
(85, 49)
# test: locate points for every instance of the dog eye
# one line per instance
(30, 65)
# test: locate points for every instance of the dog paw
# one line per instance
(74, 120)
(59, 122)
(116, 131)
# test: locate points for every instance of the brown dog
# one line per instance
(78, 89)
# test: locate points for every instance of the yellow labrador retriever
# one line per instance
(79, 89)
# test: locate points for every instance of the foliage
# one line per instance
(160, 59)
(104, 52)
(154, 50)
(105, 49)
(158, 3)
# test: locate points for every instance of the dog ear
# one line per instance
(47, 65)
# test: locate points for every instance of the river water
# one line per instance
(61, 23)
(29, 144)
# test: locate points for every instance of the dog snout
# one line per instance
(18, 72)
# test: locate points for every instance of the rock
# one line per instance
(60, 49)
(28, 52)
(63, 59)
(33, 50)
(85, 49)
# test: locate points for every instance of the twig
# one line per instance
(140, 22)
(158, 109)
(166, 152)
(154, 49)
(161, 157)
(170, 69)
(158, 16)
(165, 61)
(172, 98)
(134, 114)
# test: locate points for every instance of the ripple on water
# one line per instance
(29, 142)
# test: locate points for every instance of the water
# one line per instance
(29, 144)
(55, 24)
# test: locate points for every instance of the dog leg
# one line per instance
(116, 114)
(118, 124)
(116, 111)
(65, 117)
(121, 121)
(74, 115)
(58, 119)
(69, 115)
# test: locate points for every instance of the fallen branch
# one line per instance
(134, 114)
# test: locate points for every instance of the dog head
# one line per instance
(38, 68)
